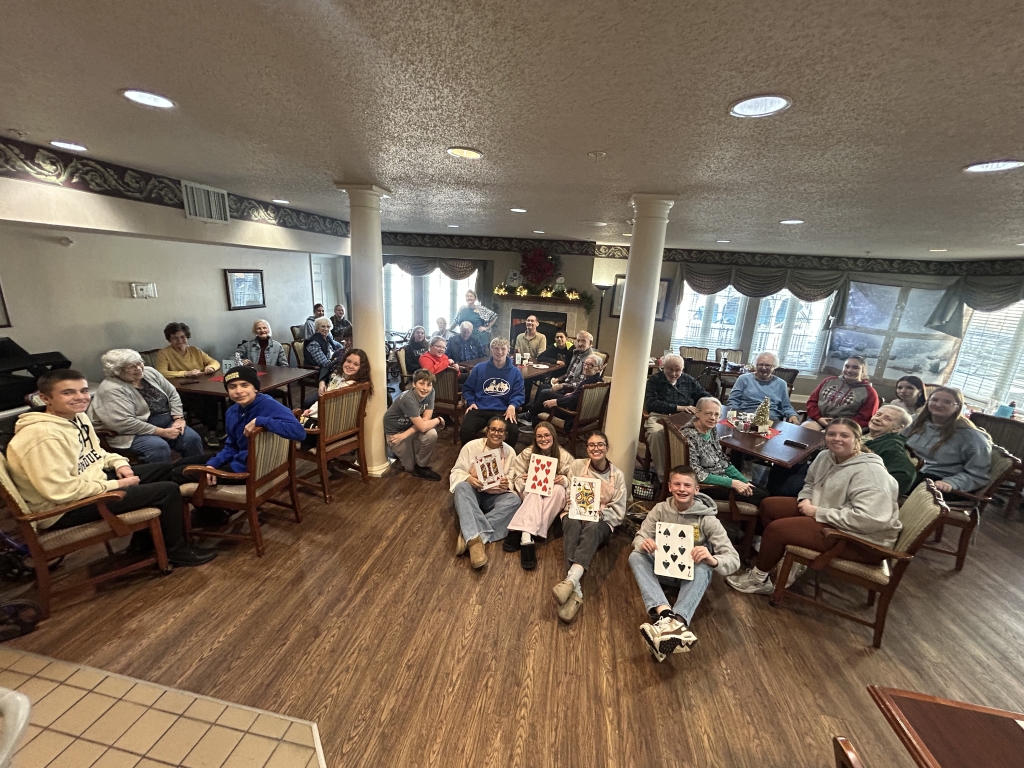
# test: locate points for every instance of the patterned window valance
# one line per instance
(759, 282)
(417, 266)
(986, 294)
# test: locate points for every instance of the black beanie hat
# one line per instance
(243, 372)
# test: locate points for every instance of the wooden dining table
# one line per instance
(943, 733)
(212, 384)
(774, 449)
(530, 372)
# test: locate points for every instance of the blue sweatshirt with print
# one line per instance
(494, 389)
(269, 414)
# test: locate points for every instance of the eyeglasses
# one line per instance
(596, 445)
(496, 431)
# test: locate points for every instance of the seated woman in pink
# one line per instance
(536, 513)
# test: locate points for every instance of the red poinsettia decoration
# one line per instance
(538, 267)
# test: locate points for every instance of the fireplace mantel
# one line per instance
(576, 315)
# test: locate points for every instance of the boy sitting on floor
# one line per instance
(669, 630)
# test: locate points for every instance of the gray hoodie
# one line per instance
(858, 496)
(964, 461)
(708, 529)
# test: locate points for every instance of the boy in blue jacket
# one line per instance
(251, 409)
(494, 388)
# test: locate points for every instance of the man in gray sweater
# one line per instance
(669, 630)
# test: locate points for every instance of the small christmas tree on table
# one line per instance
(763, 417)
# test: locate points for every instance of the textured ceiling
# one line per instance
(280, 99)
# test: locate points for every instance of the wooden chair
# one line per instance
(299, 349)
(1008, 433)
(287, 345)
(845, 754)
(589, 414)
(339, 431)
(700, 354)
(965, 508)
(297, 332)
(706, 375)
(788, 375)
(448, 399)
(46, 545)
(149, 357)
(919, 514)
(677, 452)
(406, 377)
(645, 460)
(270, 469)
(735, 355)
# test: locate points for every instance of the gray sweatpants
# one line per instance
(417, 450)
(581, 539)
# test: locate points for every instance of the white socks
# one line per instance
(575, 574)
(526, 539)
(759, 575)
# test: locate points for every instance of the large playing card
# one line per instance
(488, 469)
(674, 554)
(541, 476)
(585, 499)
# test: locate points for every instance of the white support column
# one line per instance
(367, 311)
(636, 328)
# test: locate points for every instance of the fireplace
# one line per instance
(548, 323)
(513, 311)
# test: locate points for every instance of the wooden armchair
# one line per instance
(706, 375)
(149, 357)
(788, 375)
(269, 470)
(964, 509)
(448, 399)
(845, 753)
(735, 355)
(339, 431)
(677, 452)
(296, 332)
(299, 348)
(589, 414)
(694, 353)
(406, 377)
(919, 514)
(1008, 433)
(46, 545)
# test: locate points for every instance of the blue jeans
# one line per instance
(152, 449)
(483, 514)
(690, 592)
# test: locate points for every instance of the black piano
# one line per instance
(19, 371)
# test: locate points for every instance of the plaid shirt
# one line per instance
(460, 350)
(663, 397)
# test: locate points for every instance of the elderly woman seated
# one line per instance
(321, 346)
(179, 360)
(714, 471)
(567, 399)
(143, 409)
(885, 440)
(262, 349)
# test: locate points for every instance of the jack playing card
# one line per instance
(585, 499)
(488, 469)
(541, 476)
(674, 554)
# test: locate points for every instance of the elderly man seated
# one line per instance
(751, 389)
(143, 409)
(668, 391)
(568, 398)
(573, 373)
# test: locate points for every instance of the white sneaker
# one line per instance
(650, 635)
(674, 636)
(748, 584)
(795, 572)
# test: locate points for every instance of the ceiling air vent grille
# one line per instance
(205, 203)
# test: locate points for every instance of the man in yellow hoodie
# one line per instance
(56, 458)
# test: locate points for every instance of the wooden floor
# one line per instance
(361, 620)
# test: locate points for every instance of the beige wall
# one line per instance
(77, 299)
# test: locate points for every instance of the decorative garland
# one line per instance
(538, 267)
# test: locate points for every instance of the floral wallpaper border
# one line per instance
(476, 243)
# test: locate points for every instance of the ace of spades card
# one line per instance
(584, 499)
(488, 470)
(541, 476)
(674, 554)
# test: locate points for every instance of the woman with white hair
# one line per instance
(144, 410)
(321, 346)
(884, 439)
(262, 349)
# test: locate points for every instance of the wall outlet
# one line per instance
(143, 290)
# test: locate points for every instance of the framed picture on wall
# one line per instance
(245, 288)
(5, 319)
(619, 290)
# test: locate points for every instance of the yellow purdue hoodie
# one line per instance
(55, 461)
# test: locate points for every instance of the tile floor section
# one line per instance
(87, 718)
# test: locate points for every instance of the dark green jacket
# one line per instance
(892, 449)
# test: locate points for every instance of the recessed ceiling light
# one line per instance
(1022, 244)
(69, 146)
(453, 226)
(792, 221)
(937, 250)
(465, 152)
(280, 202)
(518, 210)
(148, 99)
(595, 223)
(760, 106)
(627, 234)
(538, 232)
(993, 166)
(723, 241)
(597, 155)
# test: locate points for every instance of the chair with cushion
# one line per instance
(406, 377)
(788, 375)
(339, 432)
(46, 545)
(919, 514)
(699, 354)
(735, 355)
(299, 348)
(589, 414)
(270, 470)
(297, 332)
(1008, 433)
(448, 399)
(149, 357)
(965, 508)
(706, 375)
(677, 452)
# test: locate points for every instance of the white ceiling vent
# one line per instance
(205, 203)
